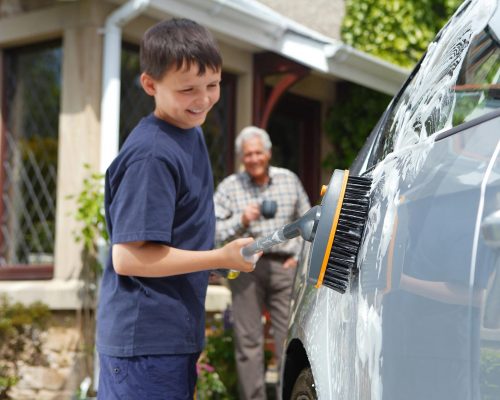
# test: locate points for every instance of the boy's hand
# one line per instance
(232, 252)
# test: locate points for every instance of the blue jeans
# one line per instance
(163, 377)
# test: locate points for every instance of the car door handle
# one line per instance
(490, 228)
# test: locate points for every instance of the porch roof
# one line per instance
(252, 25)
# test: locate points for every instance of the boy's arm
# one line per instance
(148, 259)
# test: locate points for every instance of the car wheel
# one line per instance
(304, 388)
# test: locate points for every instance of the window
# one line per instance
(477, 89)
(456, 81)
(28, 177)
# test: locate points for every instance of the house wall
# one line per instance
(324, 16)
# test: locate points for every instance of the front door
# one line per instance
(294, 127)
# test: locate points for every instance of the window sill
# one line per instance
(27, 272)
(65, 295)
(56, 293)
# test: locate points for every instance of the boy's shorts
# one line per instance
(164, 377)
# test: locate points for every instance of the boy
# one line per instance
(160, 216)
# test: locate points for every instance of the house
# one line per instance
(69, 95)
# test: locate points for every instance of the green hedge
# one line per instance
(349, 122)
(395, 30)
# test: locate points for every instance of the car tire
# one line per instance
(304, 387)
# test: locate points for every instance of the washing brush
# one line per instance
(335, 228)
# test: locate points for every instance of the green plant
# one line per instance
(209, 384)
(349, 122)
(217, 364)
(20, 339)
(395, 30)
(90, 212)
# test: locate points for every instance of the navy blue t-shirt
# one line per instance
(159, 189)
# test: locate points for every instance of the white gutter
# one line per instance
(110, 100)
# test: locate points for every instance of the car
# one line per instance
(420, 318)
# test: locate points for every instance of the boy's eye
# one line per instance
(187, 90)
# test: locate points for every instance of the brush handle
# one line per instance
(264, 243)
(304, 226)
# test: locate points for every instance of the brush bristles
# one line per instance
(349, 233)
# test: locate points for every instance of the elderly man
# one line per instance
(256, 202)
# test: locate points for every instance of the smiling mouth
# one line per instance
(196, 112)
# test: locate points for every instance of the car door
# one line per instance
(420, 320)
(426, 272)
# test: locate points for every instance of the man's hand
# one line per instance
(250, 213)
(290, 262)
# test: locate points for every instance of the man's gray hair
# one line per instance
(250, 132)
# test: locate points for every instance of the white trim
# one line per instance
(57, 294)
(60, 294)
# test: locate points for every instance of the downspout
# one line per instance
(110, 100)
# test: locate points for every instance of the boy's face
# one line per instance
(182, 97)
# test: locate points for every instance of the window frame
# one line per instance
(19, 271)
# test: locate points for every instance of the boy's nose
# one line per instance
(204, 100)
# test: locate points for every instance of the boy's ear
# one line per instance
(148, 84)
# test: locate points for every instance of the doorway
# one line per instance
(294, 128)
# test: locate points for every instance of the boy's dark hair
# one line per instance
(173, 42)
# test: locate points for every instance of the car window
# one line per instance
(477, 90)
(457, 80)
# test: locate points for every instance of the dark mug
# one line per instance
(268, 208)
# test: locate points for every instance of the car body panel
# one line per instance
(422, 317)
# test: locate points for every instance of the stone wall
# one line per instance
(64, 364)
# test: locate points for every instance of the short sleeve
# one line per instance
(143, 205)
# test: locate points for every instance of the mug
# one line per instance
(268, 208)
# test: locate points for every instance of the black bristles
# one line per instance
(348, 235)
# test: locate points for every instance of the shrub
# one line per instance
(349, 122)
